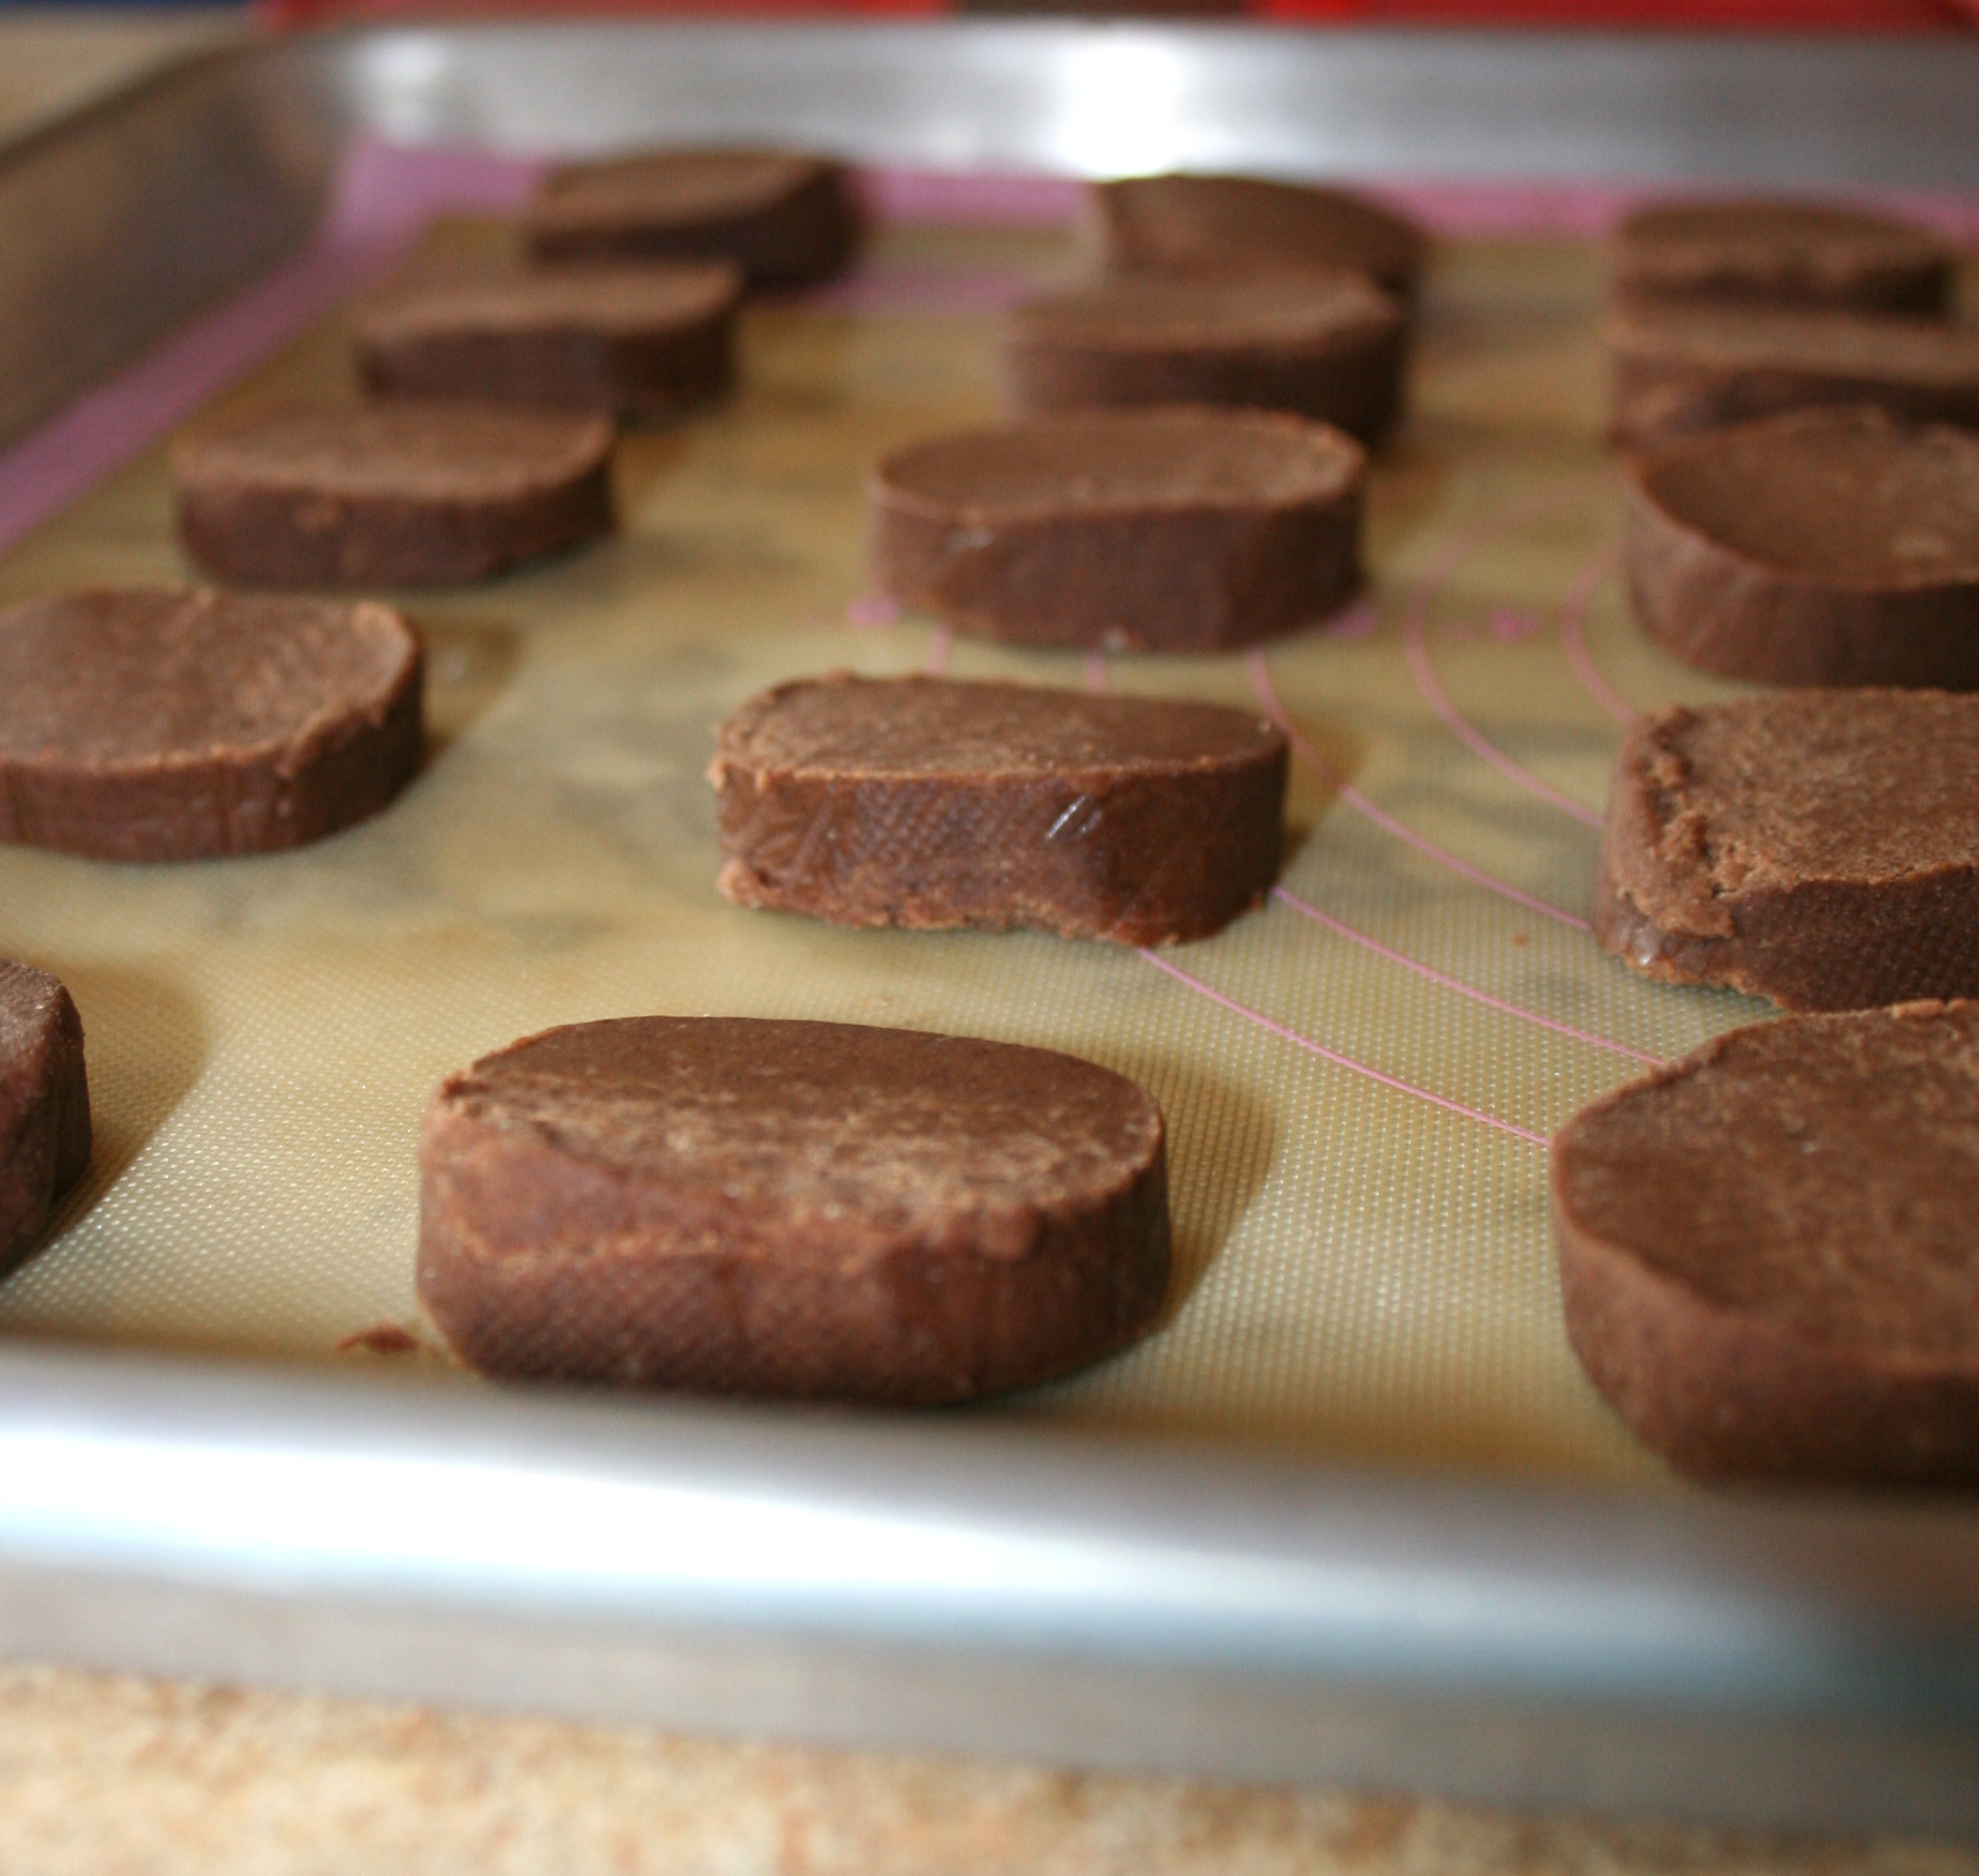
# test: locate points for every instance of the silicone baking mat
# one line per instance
(1359, 1077)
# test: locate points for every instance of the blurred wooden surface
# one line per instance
(103, 1776)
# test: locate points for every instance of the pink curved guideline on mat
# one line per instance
(1416, 646)
(1334, 1056)
(1457, 984)
(1573, 636)
(1267, 697)
(938, 647)
(1097, 680)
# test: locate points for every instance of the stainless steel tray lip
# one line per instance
(1087, 97)
(142, 1477)
(24, 145)
(964, 1534)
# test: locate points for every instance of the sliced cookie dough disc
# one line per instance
(44, 1104)
(785, 219)
(1178, 221)
(1172, 528)
(1767, 1255)
(632, 341)
(789, 1208)
(929, 803)
(1831, 545)
(1817, 847)
(1324, 345)
(1762, 253)
(1677, 369)
(399, 494)
(169, 725)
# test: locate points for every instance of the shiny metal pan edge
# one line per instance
(946, 1585)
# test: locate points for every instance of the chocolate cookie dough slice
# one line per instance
(1677, 369)
(789, 1208)
(785, 219)
(1773, 252)
(399, 494)
(632, 342)
(1172, 528)
(929, 803)
(1192, 222)
(1767, 1255)
(1817, 847)
(1832, 546)
(172, 725)
(1324, 345)
(44, 1104)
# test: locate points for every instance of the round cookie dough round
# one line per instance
(44, 1104)
(1831, 545)
(1817, 847)
(1168, 528)
(1766, 1249)
(1772, 252)
(784, 217)
(404, 494)
(1679, 369)
(812, 1209)
(632, 342)
(174, 725)
(1322, 346)
(929, 803)
(1190, 222)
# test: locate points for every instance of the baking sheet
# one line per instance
(1358, 1077)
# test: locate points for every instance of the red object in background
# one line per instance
(325, 12)
(1869, 16)
(1857, 16)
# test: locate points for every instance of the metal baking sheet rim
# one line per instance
(936, 1584)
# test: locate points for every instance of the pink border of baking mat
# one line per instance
(1454, 208)
(385, 195)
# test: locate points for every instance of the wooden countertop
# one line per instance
(107, 1776)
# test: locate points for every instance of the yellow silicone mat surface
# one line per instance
(1358, 1077)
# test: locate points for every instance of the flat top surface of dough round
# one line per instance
(404, 449)
(928, 726)
(681, 186)
(1848, 497)
(1180, 217)
(1864, 786)
(891, 1124)
(31, 1008)
(1876, 347)
(144, 676)
(1820, 1174)
(1163, 457)
(1784, 230)
(501, 299)
(1154, 312)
